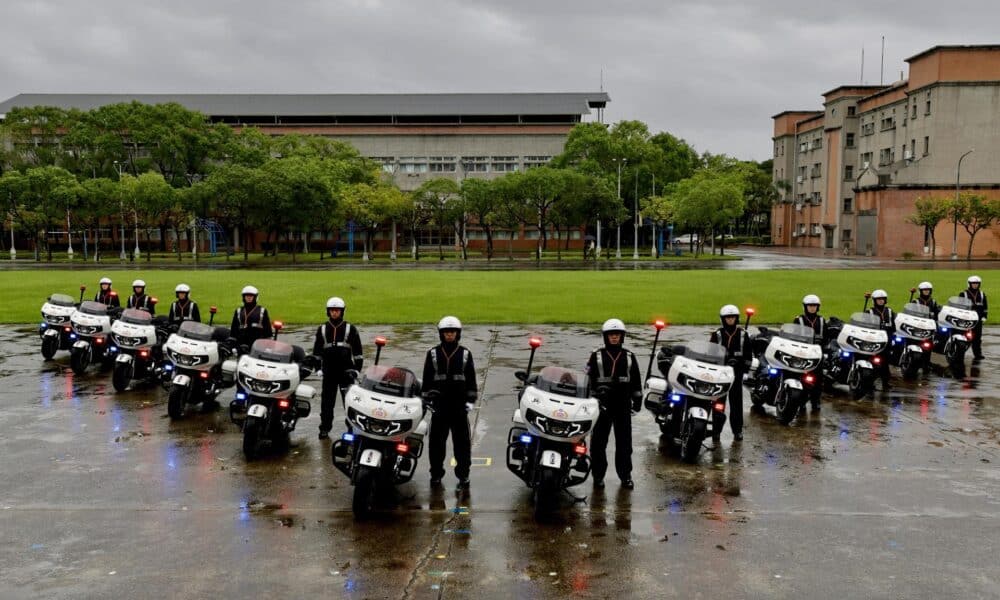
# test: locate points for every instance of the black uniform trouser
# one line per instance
(735, 408)
(977, 339)
(329, 400)
(816, 392)
(454, 420)
(619, 417)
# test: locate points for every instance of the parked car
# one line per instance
(687, 238)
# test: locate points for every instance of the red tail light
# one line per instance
(580, 449)
(719, 406)
(144, 353)
(403, 448)
(809, 379)
(284, 403)
(98, 340)
(877, 360)
(969, 335)
(927, 345)
(203, 374)
(67, 329)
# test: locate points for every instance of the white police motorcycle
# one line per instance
(386, 430)
(546, 446)
(137, 338)
(956, 321)
(55, 328)
(914, 339)
(786, 365)
(91, 337)
(854, 359)
(193, 371)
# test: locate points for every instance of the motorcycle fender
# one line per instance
(184, 381)
(370, 458)
(793, 383)
(51, 333)
(518, 418)
(81, 345)
(914, 348)
(863, 364)
(959, 338)
(125, 358)
(257, 410)
(551, 459)
(697, 412)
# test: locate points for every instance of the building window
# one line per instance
(413, 164)
(803, 147)
(387, 162)
(914, 114)
(888, 123)
(817, 143)
(475, 164)
(885, 156)
(850, 140)
(504, 164)
(845, 235)
(817, 199)
(814, 229)
(868, 128)
(849, 172)
(927, 110)
(927, 145)
(817, 170)
(536, 161)
(802, 173)
(913, 148)
(442, 164)
(848, 205)
(851, 111)
(866, 159)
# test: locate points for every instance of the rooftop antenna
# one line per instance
(862, 64)
(600, 110)
(881, 75)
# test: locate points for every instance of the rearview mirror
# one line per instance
(521, 375)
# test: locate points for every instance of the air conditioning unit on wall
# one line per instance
(800, 179)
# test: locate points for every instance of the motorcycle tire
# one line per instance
(50, 346)
(252, 442)
(121, 376)
(956, 362)
(175, 402)
(79, 361)
(692, 439)
(909, 367)
(787, 405)
(546, 493)
(364, 493)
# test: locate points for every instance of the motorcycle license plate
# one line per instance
(551, 459)
(257, 410)
(371, 458)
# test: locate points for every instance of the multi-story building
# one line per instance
(850, 174)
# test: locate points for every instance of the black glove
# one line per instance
(636, 402)
(430, 398)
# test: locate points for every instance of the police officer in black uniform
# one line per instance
(811, 318)
(449, 382)
(338, 345)
(184, 308)
(139, 299)
(880, 308)
(978, 297)
(617, 384)
(250, 321)
(924, 297)
(738, 356)
(106, 295)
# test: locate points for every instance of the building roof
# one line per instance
(958, 47)
(864, 88)
(336, 104)
(794, 112)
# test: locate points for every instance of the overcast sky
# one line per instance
(712, 72)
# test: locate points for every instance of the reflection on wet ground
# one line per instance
(104, 496)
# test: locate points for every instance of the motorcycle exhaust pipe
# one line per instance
(659, 324)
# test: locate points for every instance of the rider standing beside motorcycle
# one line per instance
(339, 346)
(139, 299)
(738, 356)
(449, 382)
(880, 308)
(184, 308)
(978, 297)
(614, 374)
(250, 321)
(106, 295)
(811, 318)
(925, 291)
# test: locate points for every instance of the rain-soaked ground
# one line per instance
(102, 496)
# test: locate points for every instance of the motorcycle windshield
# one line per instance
(193, 330)
(797, 333)
(392, 381)
(61, 300)
(961, 303)
(272, 351)
(706, 352)
(94, 308)
(866, 320)
(917, 310)
(565, 382)
(137, 317)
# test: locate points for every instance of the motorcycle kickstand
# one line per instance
(576, 499)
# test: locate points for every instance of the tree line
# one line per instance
(973, 212)
(159, 168)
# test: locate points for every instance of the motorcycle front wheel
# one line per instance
(175, 402)
(121, 376)
(252, 430)
(545, 492)
(49, 347)
(692, 439)
(79, 361)
(364, 492)
(787, 405)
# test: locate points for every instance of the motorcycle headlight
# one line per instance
(87, 329)
(54, 319)
(795, 362)
(555, 426)
(128, 341)
(378, 426)
(702, 388)
(960, 323)
(261, 386)
(916, 332)
(863, 345)
(189, 360)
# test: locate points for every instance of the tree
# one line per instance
(511, 209)
(239, 199)
(436, 196)
(931, 210)
(97, 203)
(481, 200)
(294, 190)
(708, 200)
(974, 212)
(51, 192)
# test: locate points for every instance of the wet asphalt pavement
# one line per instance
(104, 497)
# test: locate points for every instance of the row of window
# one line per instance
(452, 164)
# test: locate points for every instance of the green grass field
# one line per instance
(586, 297)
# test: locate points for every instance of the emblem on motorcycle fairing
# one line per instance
(560, 414)
(261, 374)
(379, 412)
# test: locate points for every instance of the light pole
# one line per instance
(13, 251)
(121, 209)
(618, 244)
(635, 227)
(954, 233)
(135, 214)
(69, 236)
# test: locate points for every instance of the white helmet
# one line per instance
(974, 279)
(249, 289)
(335, 302)
(729, 310)
(880, 294)
(449, 323)
(810, 299)
(104, 280)
(612, 325)
(182, 287)
(138, 283)
(925, 285)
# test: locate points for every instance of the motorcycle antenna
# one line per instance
(868, 296)
(380, 341)
(212, 310)
(750, 312)
(278, 326)
(534, 343)
(83, 289)
(912, 291)
(659, 324)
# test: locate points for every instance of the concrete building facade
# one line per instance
(851, 174)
